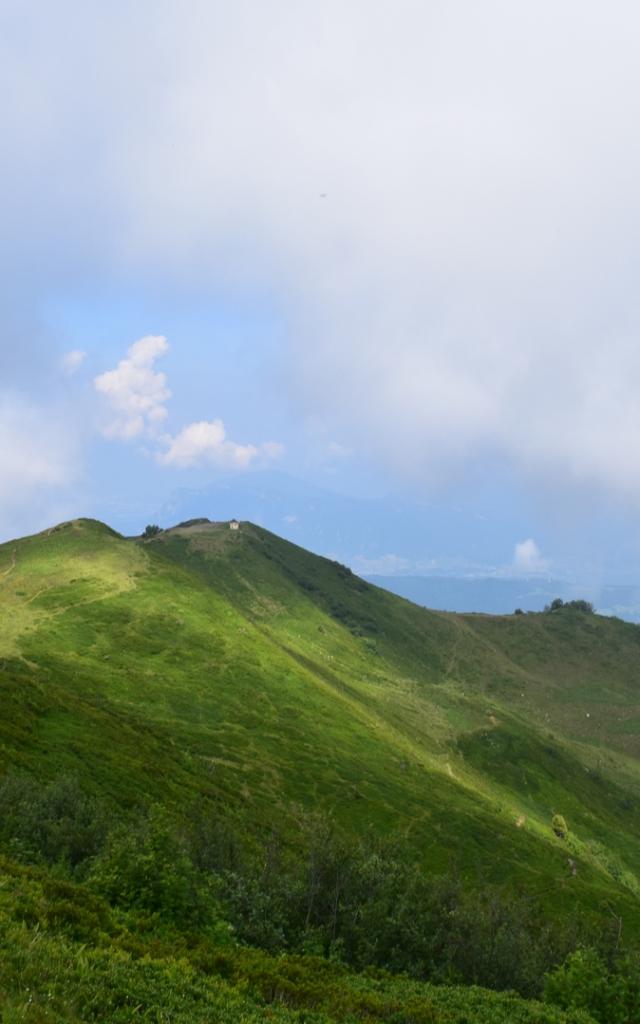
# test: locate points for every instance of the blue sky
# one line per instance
(383, 256)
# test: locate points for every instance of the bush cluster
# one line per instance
(578, 605)
(356, 902)
(608, 991)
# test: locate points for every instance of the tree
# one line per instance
(581, 606)
(578, 605)
(146, 866)
(151, 531)
(585, 982)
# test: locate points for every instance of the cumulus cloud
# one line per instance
(135, 392)
(466, 289)
(72, 361)
(206, 443)
(527, 558)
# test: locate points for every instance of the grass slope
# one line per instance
(237, 666)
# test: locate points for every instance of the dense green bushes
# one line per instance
(146, 865)
(46, 978)
(363, 904)
(358, 905)
(66, 956)
(185, 890)
(358, 902)
(57, 823)
(610, 992)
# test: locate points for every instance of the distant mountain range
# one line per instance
(438, 554)
(496, 596)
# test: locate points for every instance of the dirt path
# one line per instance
(11, 567)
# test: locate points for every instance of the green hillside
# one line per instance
(236, 669)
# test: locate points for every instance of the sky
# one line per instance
(373, 261)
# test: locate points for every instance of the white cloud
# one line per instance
(528, 559)
(135, 392)
(72, 361)
(206, 443)
(466, 288)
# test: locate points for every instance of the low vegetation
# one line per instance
(197, 924)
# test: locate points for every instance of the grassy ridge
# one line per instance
(238, 667)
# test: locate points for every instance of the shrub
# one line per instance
(147, 867)
(58, 823)
(610, 995)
